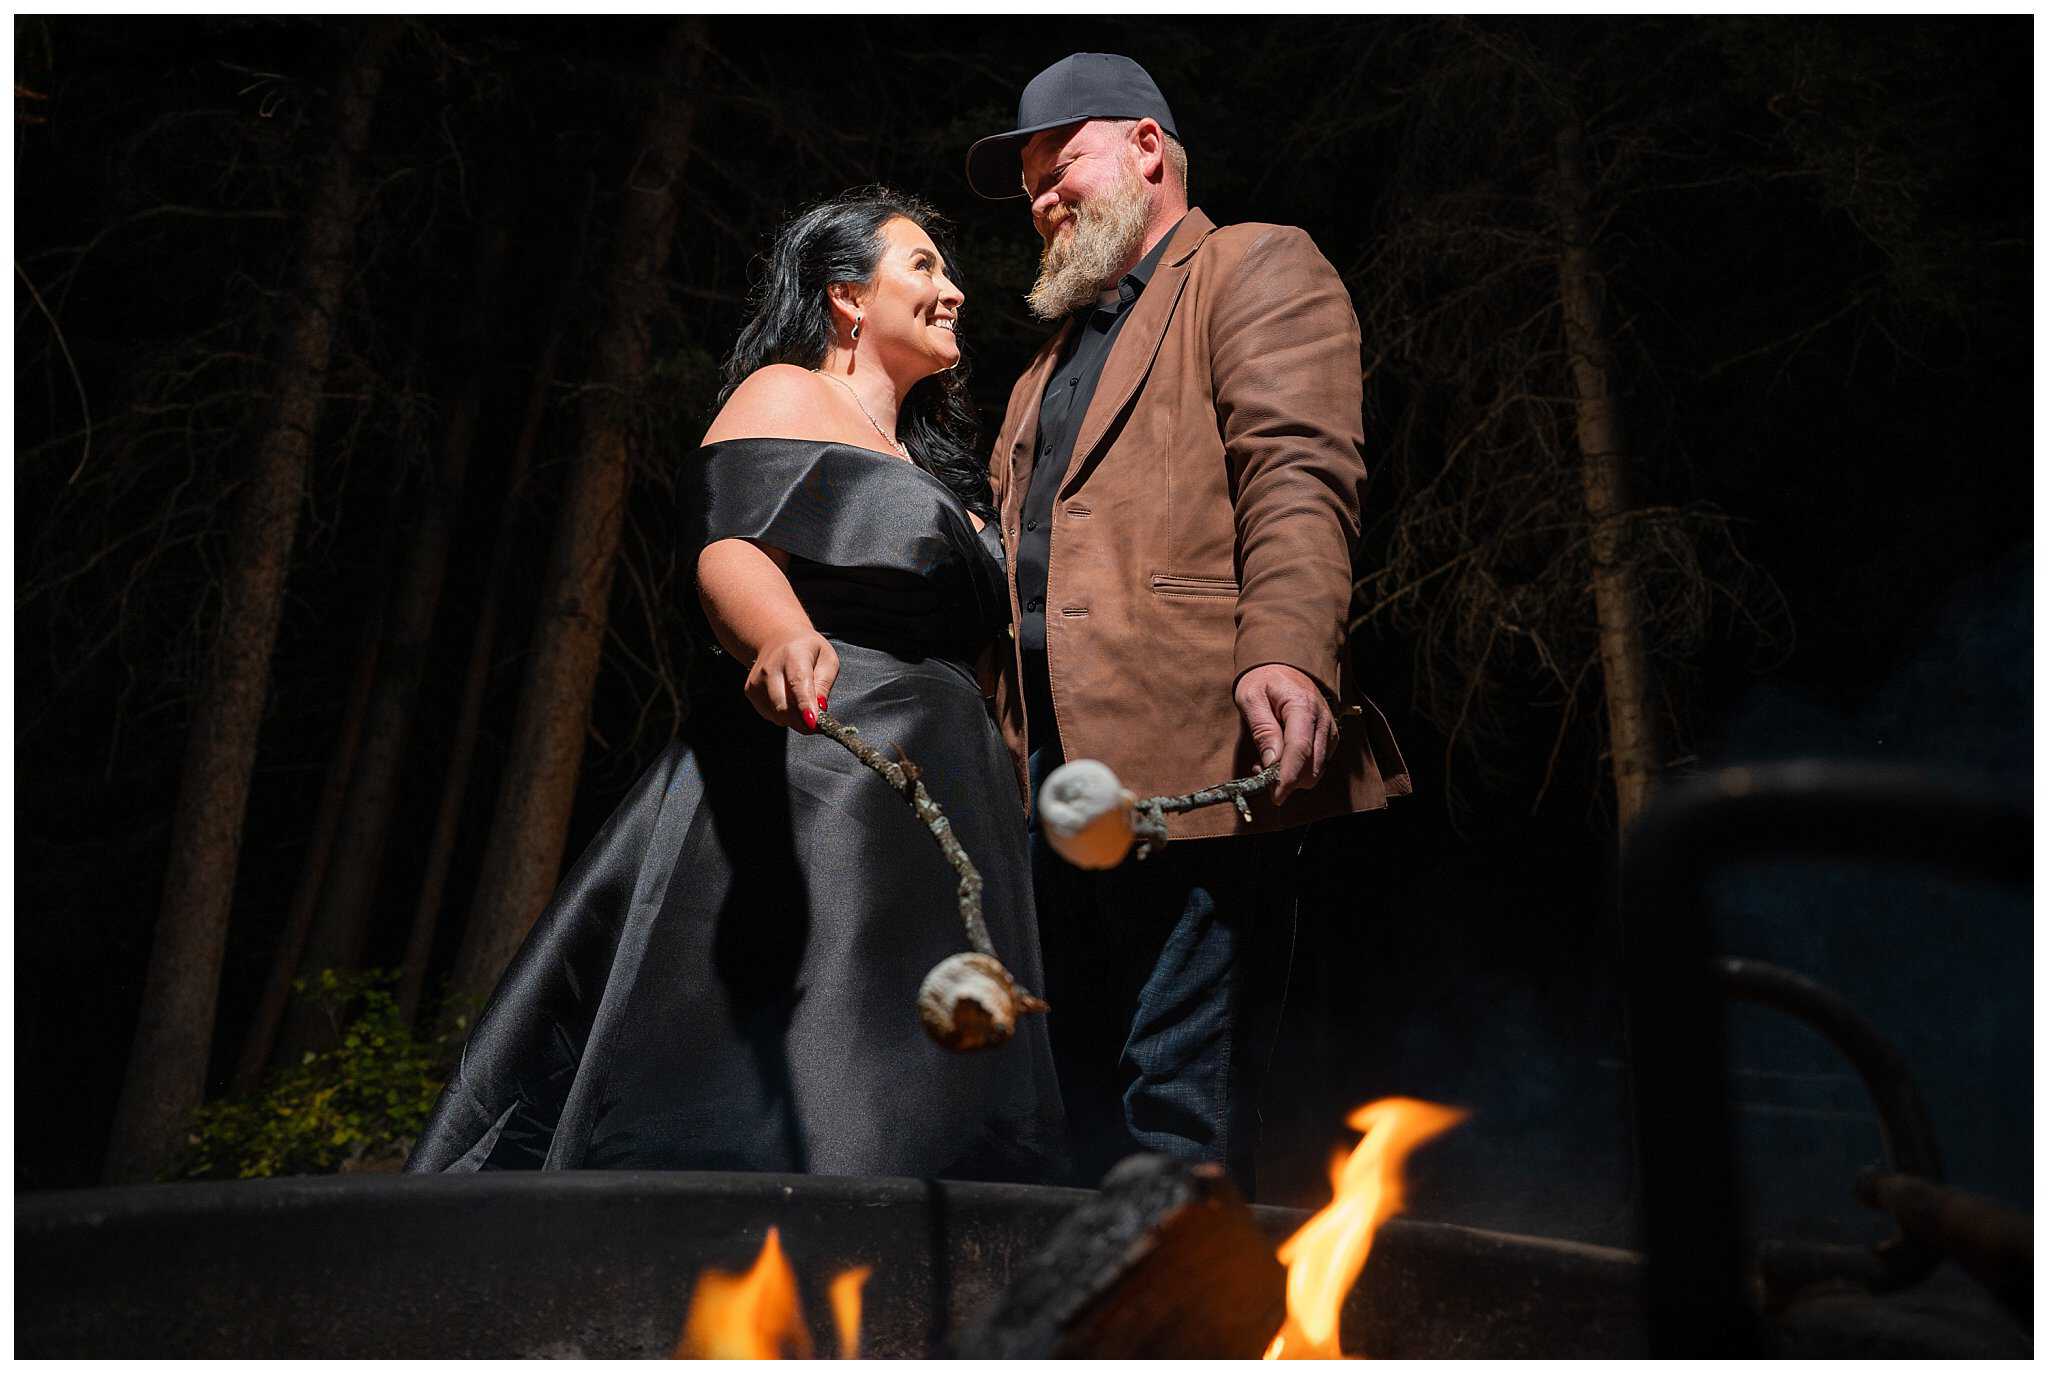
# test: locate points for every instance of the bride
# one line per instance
(726, 978)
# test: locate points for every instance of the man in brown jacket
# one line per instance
(1178, 476)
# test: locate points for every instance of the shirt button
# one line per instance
(1030, 524)
(1033, 604)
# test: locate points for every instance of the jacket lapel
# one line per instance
(1137, 343)
(1023, 441)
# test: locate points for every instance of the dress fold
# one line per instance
(726, 978)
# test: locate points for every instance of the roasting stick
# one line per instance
(1091, 819)
(903, 778)
(968, 1001)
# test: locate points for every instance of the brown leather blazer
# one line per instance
(1205, 526)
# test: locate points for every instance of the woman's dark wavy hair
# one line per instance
(840, 240)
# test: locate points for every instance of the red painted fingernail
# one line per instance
(810, 718)
(821, 703)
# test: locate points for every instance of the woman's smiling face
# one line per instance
(911, 306)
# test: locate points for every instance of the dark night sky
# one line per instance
(1880, 471)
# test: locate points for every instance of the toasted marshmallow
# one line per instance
(1086, 814)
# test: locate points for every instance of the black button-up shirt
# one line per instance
(1067, 394)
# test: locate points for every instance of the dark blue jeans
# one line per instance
(1166, 979)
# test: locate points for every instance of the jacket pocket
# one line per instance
(1174, 584)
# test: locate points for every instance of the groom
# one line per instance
(1179, 477)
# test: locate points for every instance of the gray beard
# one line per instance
(1077, 267)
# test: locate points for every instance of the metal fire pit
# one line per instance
(1702, 1292)
(601, 1265)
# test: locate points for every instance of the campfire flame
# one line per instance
(757, 1315)
(1325, 1256)
(844, 1294)
(750, 1316)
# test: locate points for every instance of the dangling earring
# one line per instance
(856, 329)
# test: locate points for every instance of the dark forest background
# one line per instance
(404, 311)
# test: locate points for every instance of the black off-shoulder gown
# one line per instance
(726, 979)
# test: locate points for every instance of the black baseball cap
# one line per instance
(1086, 85)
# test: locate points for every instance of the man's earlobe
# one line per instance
(1151, 148)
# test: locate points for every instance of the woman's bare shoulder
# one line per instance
(780, 401)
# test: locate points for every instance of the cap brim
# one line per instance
(994, 168)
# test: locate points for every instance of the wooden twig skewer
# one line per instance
(968, 1001)
(1092, 821)
(1150, 824)
(903, 778)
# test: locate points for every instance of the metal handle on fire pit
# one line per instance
(1904, 1125)
(1676, 1042)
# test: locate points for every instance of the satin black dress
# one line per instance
(727, 977)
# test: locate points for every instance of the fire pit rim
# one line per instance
(242, 1277)
(213, 1196)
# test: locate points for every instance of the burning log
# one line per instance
(1166, 1262)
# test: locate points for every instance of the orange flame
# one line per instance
(844, 1294)
(1325, 1256)
(750, 1316)
(757, 1316)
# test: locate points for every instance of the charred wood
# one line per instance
(1167, 1261)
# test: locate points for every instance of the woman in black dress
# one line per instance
(726, 979)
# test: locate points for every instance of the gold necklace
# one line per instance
(892, 441)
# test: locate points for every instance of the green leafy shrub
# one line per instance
(360, 1104)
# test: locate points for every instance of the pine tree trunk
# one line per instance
(166, 1077)
(341, 919)
(1637, 754)
(524, 853)
(284, 965)
(426, 918)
